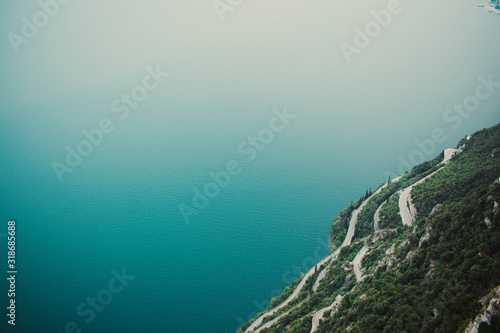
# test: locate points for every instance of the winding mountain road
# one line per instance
(321, 276)
(357, 262)
(290, 298)
(376, 217)
(319, 315)
(408, 213)
(407, 210)
(405, 206)
(347, 241)
(275, 320)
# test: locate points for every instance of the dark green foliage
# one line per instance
(463, 251)
(389, 214)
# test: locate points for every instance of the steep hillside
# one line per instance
(420, 254)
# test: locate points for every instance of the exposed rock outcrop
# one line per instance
(491, 308)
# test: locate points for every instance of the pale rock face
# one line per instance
(437, 209)
(391, 258)
(497, 182)
(410, 254)
(391, 250)
(404, 243)
(432, 266)
(490, 309)
(488, 222)
(425, 237)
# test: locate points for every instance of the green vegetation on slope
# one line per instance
(426, 278)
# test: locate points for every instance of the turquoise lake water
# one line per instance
(119, 208)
